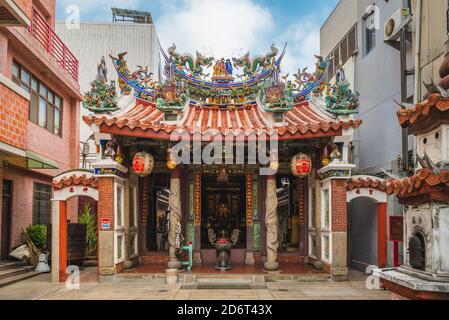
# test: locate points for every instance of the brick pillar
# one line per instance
(1, 202)
(334, 178)
(106, 200)
(339, 209)
(5, 68)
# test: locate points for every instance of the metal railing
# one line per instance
(49, 40)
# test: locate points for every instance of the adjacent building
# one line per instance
(39, 115)
(425, 271)
(131, 31)
(354, 38)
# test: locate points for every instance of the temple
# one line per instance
(229, 156)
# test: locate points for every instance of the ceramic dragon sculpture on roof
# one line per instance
(189, 63)
(252, 67)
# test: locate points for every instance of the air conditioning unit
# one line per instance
(395, 23)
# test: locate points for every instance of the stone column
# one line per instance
(271, 221)
(175, 216)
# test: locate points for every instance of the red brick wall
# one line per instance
(22, 199)
(25, 6)
(106, 201)
(339, 206)
(47, 9)
(13, 118)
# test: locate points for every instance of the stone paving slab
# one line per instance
(40, 287)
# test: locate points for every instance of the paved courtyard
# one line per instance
(40, 288)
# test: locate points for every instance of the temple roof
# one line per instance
(425, 116)
(424, 186)
(366, 182)
(145, 120)
(75, 179)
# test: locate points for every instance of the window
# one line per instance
(312, 207)
(343, 51)
(326, 249)
(326, 209)
(119, 215)
(45, 106)
(132, 207)
(42, 203)
(370, 34)
(119, 223)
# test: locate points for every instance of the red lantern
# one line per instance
(143, 164)
(301, 165)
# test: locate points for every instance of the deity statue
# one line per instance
(102, 97)
(223, 234)
(102, 71)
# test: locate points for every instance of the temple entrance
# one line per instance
(223, 211)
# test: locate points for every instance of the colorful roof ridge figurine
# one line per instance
(188, 64)
(102, 97)
(277, 97)
(340, 99)
(252, 67)
(171, 98)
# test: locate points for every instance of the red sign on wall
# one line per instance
(397, 228)
(105, 223)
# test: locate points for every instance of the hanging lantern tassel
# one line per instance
(274, 162)
(171, 164)
(325, 158)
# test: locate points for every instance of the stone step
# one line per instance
(17, 278)
(14, 271)
(7, 265)
(223, 282)
(216, 284)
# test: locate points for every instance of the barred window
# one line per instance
(45, 106)
(42, 203)
(343, 51)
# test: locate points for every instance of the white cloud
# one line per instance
(303, 39)
(221, 25)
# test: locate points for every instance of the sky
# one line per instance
(225, 28)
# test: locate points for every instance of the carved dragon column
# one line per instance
(175, 217)
(271, 221)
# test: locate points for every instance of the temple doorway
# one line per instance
(223, 211)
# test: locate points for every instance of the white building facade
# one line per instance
(93, 40)
(354, 36)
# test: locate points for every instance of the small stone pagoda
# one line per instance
(425, 196)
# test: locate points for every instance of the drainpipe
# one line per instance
(417, 86)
